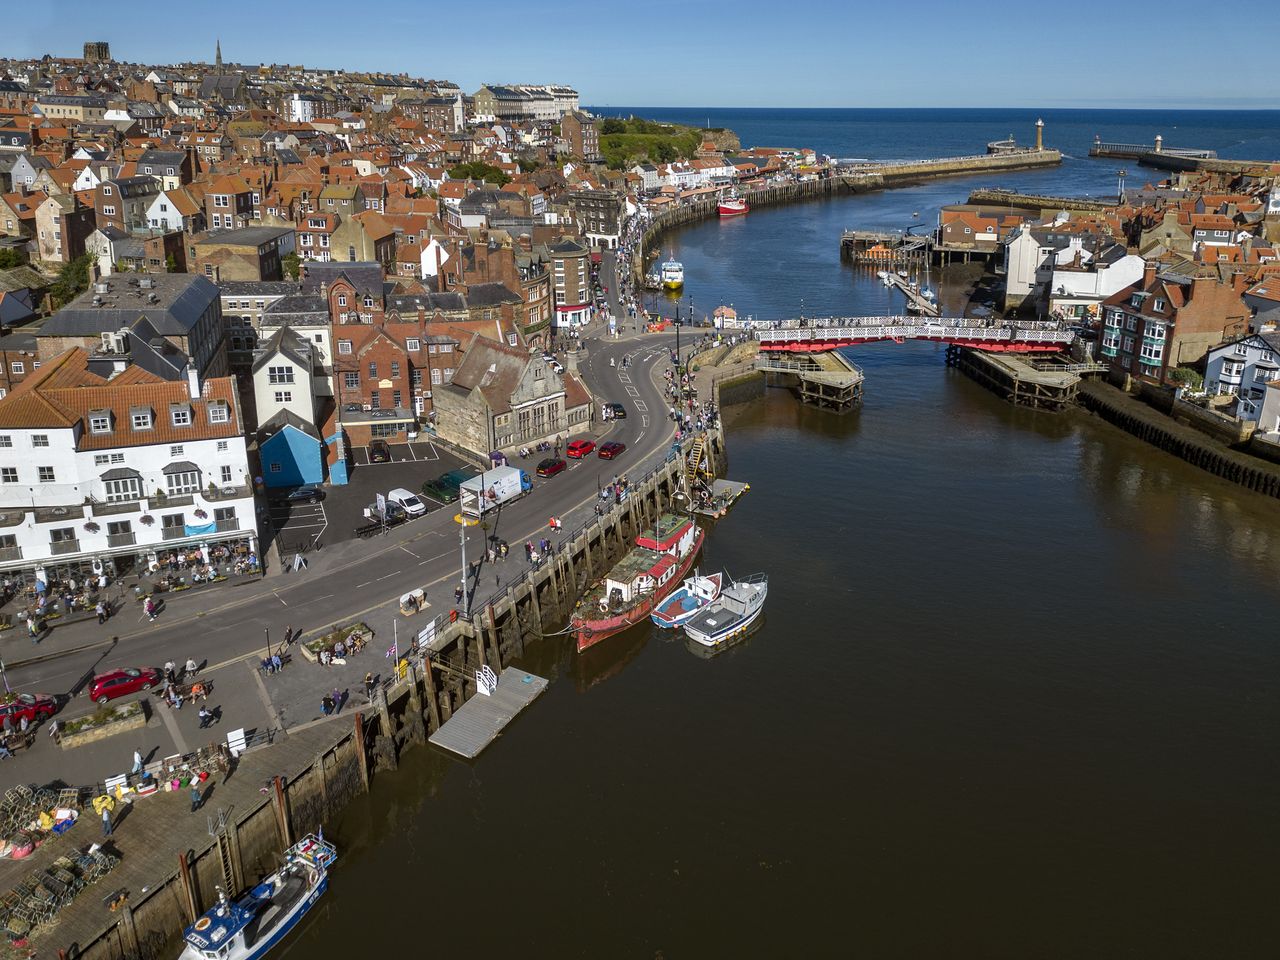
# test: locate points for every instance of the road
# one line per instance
(353, 579)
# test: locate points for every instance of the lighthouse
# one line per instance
(1040, 134)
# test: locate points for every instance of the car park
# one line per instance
(379, 452)
(551, 466)
(579, 449)
(121, 683)
(610, 449)
(407, 501)
(307, 493)
(32, 707)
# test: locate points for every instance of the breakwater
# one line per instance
(1036, 201)
(1165, 433)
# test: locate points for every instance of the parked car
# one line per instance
(379, 452)
(551, 466)
(610, 449)
(444, 488)
(407, 501)
(307, 493)
(121, 683)
(33, 706)
(579, 448)
(556, 365)
(615, 411)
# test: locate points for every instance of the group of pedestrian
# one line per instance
(332, 702)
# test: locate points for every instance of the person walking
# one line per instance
(32, 629)
(196, 799)
(337, 700)
(101, 610)
(368, 687)
(326, 705)
(191, 667)
(205, 716)
(457, 594)
(106, 822)
(149, 606)
(137, 762)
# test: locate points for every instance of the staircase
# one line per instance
(693, 460)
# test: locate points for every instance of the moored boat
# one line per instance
(639, 581)
(246, 929)
(732, 207)
(883, 275)
(673, 274)
(684, 604)
(739, 605)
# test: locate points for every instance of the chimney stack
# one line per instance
(193, 383)
(1148, 274)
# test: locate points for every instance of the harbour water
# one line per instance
(1014, 695)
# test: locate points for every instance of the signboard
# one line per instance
(427, 634)
(381, 502)
(236, 742)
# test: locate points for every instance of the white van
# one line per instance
(407, 501)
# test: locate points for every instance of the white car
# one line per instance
(557, 366)
(407, 501)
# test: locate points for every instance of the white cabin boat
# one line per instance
(673, 274)
(724, 619)
(685, 603)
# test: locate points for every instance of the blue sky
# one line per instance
(849, 53)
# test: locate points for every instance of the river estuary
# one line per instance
(1015, 696)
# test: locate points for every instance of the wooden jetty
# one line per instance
(479, 721)
(723, 495)
(916, 301)
(884, 249)
(1025, 380)
(827, 379)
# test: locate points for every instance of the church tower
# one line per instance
(217, 60)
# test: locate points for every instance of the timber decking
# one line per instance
(478, 722)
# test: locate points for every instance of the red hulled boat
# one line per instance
(732, 207)
(648, 572)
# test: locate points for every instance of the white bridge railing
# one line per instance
(913, 328)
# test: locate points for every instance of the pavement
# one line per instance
(228, 626)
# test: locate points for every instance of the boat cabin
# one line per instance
(648, 569)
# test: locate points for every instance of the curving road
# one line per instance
(358, 578)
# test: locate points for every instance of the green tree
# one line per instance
(613, 125)
(479, 170)
(291, 265)
(170, 264)
(73, 279)
(663, 151)
(11, 257)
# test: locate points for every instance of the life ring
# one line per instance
(203, 923)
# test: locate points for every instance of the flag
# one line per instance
(391, 651)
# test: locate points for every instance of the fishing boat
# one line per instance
(650, 570)
(246, 929)
(739, 605)
(903, 274)
(883, 275)
(682, 605)
(673, 274)
(732, 206)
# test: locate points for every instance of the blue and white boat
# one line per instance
(246, 929)
(730, 616)
(683, 604)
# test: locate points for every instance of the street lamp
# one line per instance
(463, 522)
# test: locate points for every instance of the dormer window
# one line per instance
(142, 418)
(180, 414)
(1158, 306)
(99, 421)
(1135, 300)
(342, 299)
(368, 302)
(218, 413)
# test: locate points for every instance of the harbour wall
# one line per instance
(1185, 442)
(1036, 201)
(431, 685)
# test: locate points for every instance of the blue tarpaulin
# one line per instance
(200, 531)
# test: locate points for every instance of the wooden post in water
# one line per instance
(282, 813)
(324, 787)
(188, 888)
(493, 636)
(362, 759)
(433, 701)
(128, 930)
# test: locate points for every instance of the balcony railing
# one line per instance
(54, 514)
(173, 533)
(10, 553)
(115, 507)
(121, 539)
(227, 492)
(225, 525)
(61, 547)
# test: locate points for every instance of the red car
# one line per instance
(121, 683)
(551, 466)
(34, 706)
(610, 449)
(579, 449)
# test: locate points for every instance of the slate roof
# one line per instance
(183, 299)
(286, 418)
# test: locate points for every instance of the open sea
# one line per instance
(1016, 695)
